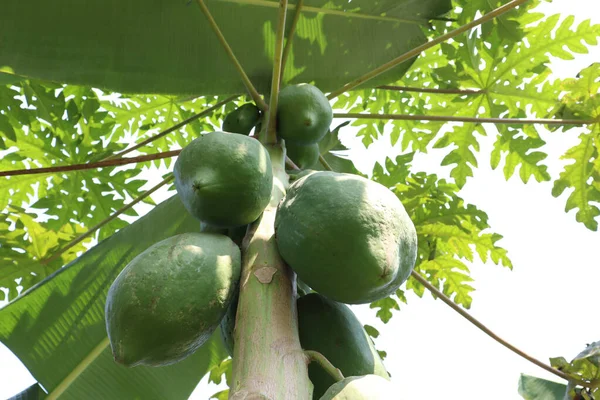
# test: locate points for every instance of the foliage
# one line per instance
(504, 64)
(586, 366)
(532, 388)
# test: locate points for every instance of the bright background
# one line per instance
(545, 306)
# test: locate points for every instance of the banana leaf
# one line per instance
(167, 46)
(57, 327)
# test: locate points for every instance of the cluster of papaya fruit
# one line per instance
(348, 239)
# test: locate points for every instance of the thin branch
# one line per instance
(173, 128)
(290, 164)
(444, 118)
(419, 49)
(270, 134)
(99, 164)
(290, 37)
(429, 90)
(325, 364)
(324, 163)
(120, 211)
(491, 334)
(249, 86)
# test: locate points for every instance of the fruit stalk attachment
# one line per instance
(268, 359)
(325, 364)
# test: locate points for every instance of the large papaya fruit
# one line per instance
(368, 387)
(224, 179)
(242, 119)
(345, 236)
(169, 299)
(303, 114)
(333, 330)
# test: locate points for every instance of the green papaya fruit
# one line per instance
(368, 387)
(303, 114)
(303, 156)
(345, 236)
(333, 330)
(236, 234)
(168, 300)
(224, 179)
(242, 119)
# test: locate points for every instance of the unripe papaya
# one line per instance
(333, 330)
(169, 299)
(242, 119)
(224, 179)
(303, 156)
(347, 237)
(303, 114)
(368, 387)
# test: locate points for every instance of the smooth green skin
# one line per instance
(224, 179)
(242, 119)
(333, 330)
(303, 114)
(303, 156)
(347, 237)
(368, 387)
(169, 299)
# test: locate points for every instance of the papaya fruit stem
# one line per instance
(260, 103)
(271, 132)
(319, 358)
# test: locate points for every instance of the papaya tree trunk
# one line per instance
(268, 361)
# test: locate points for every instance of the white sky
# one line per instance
(545, 306)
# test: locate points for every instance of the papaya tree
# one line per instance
(234, 103)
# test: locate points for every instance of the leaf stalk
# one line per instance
(423, 281)
(419, 49)
(271, 131)
(249, 86)
(477, 120)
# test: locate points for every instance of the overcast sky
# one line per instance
(543, 306)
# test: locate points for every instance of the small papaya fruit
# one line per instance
(303, 156)
(368, 387)
(168, 300)
(303, 114)
(224, 179)
(333, 330)
(242, 119)
(347, 237)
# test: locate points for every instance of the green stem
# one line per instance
(434, 91)
(271, 132)
(335, 373)
(249, 86)
(419, 49)
(324, 163)
(476, 120)
(421, 279)
(120, 211)
(290, 37)
(99, 164)
(173, 128)
(268, 359)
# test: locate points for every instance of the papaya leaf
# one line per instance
(57, 328)
(532, 388)
(351, 39)
(33, 392)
